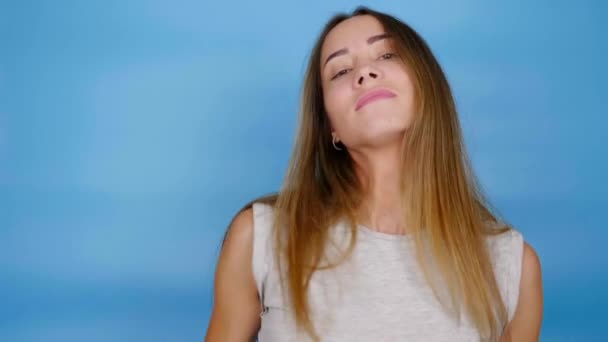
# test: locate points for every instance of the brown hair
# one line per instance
(445, 208)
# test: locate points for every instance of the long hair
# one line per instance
(444, 206)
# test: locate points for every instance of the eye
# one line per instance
(340, 73)
(388, 55)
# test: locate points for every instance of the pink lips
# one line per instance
(373, 95)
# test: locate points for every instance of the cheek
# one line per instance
(406, 86)
(337, 101)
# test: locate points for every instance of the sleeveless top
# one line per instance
(378, 294)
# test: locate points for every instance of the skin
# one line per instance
(373, 133)
(372, 136)
(526, 323)
(236, 307)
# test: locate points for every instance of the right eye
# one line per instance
(340, 73)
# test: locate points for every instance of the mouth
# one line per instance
(373, 95)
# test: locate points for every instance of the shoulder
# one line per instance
(236, 305)
(506, 251)
(249, 240)
(518, 271)
(531, 268)
(506, 248)
(241, 228)
(526, 323)
(237, 248)
(530, 275)
(530, 284)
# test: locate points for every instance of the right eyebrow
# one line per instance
(370, 41)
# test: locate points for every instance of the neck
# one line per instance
(379, 173)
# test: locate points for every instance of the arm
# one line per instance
(236, 306)
(526, 322)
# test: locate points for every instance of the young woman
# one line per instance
(379, 232)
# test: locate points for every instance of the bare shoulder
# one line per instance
(236, 305)
(240, 231)
(531, 277)
(531, 267)
(526, 323)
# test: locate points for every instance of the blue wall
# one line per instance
(131, 132)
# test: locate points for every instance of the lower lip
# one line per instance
(374, 98)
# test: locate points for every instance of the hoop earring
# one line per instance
(333, 142)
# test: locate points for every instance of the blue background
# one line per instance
(132, 131)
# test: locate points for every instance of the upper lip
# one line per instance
(371, 94)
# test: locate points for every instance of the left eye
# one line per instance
(388, 55)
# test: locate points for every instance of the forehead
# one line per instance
(350, 32)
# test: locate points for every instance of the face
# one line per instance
(367, 91)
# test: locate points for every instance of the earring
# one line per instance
(333, 142)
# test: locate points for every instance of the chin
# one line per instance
(383, 135)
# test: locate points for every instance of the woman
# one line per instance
(379, 232)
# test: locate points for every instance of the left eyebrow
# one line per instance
(371, 40)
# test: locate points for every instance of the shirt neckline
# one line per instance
(384, 236)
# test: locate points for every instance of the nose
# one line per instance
(365, 75)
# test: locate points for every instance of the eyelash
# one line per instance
(340, 73)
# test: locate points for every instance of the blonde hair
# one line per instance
(444, 206)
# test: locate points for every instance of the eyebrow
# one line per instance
(370, 41)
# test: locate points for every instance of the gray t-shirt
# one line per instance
(378, 294)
